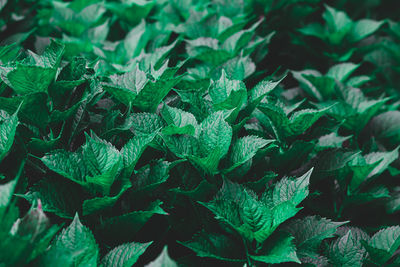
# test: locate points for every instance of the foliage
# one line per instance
(194, 132)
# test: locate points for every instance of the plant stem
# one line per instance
(249, 263)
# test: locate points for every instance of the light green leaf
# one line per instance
(179, 121)
(79, 241)
(279, 249)
(363, 28)
(163, 260)
(124, 255)
(215, 133)
(244, 149)
(8, 127)
(384, 244)
(342, 71)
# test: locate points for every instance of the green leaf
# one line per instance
(310, 231)
(125, 227)
(154, 92)
(124, 255)
(279, 249)
(384, 244)
(342, 71)
(131, 11)
(8, 127)
(7, 191)
(145, 123)
(301, 120)
(325, 86)
(126, 87)
(384, 159)
(363, 28)
(151, 175)
(132, 151)
(217, 246)
(228, 94)
(103, 162)
(332, 140)
(35, 74)
(346, 251)
(94, 165)
(163, 260)
(58, 197)
(215, 133)
(244, 149)
(32, 108)
(339, 24)
(78, 240)
(67, 164)
(387, 126)
(179, 121)
(241, 209)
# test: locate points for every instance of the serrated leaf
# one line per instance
(244, 149)
(179, 121)
(8, 127)
(383, 244)
(310, 231)
(124, 255)
(79, 241)
(132, 151)
(215, 133)
(346, 251)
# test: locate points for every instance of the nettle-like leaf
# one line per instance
(124, 255)
(298, 122)
(35, 73)
(338, 26)
(130, 11)
(179, 121)
(244, 149)
(94, 165)
(371, 165)
(215, 51)
(206, 150)
(228, 94)
(256, 218)
(77, 16)
(323, 87)
(355, 109)
(383, 244)
(309, 233)
(346, 251)
(8, 127)
(77, 242)
(138, 89)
